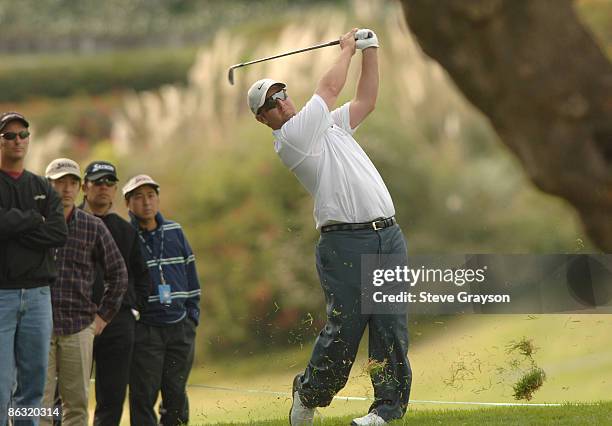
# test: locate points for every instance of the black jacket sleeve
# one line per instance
(140, 271)
(15, 221)
(53, 232)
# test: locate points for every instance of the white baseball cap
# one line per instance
(257, 92)
(137, 182)
(61, 167)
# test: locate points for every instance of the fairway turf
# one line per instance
(571, 414)
(574, 351)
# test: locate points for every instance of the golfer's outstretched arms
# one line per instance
(333, 80)
(367, 89)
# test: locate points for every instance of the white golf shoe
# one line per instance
(370, 419)
(299, 415)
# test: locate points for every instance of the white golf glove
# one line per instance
(363, 42)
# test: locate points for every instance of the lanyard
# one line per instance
(157, 260)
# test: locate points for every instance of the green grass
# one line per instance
(570, 414)
(574, 351)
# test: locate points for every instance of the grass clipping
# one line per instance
(520, 369)
(533, 378)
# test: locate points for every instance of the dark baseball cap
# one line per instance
(99, 169)
(7, 117)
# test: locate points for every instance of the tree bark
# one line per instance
(533, 69)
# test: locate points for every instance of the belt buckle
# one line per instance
(375, 227)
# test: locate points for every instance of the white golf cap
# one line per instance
(137, 182)
(62, 167)
(257, 92)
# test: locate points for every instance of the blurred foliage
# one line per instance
(92, 25)
(62, 75)
(456, 188)
(597, 15)
(90, 47)
(86, 118)
(130, 29)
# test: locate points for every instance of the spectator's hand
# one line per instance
(347, 41)
(100, 324)
(363, 41)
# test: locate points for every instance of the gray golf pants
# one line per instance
(338, 258)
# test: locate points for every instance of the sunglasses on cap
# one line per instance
(11, 136)
(270, 103)
(104, 181)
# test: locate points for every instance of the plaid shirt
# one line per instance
(89, 242)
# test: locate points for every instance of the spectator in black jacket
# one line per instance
(31, 223)
(113, 348)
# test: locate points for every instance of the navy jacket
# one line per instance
(178, 265)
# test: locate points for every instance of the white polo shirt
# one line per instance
(318, 147)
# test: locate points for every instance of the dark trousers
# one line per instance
(113, 355)
(162, 360)
(339, 265)
(184, 415)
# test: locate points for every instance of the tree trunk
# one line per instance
(533, 69)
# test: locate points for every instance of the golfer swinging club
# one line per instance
(355, 215)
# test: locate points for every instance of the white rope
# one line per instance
(363, 398)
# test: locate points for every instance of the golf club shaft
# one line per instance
(293, 52)
(230, 74)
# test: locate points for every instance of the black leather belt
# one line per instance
(375, 225)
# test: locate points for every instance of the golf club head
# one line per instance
(230, 75)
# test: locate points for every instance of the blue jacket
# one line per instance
(178, 265)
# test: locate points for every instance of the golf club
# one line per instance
(230, 74)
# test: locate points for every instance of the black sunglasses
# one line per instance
(270, 103)
(105, 181)
(11, 136)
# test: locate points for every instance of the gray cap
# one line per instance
(257, 92)
(137, 182)
(61, 167)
